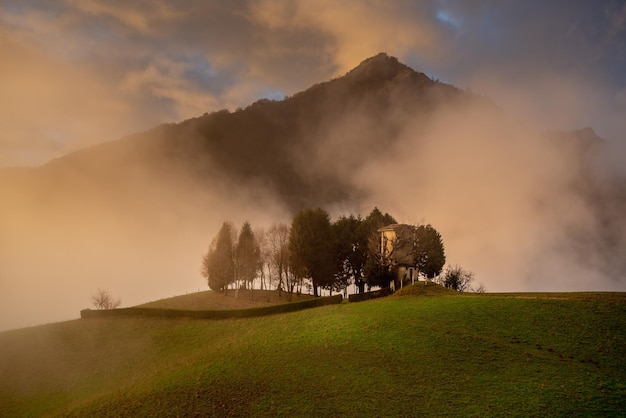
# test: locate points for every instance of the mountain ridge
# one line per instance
(239, 143)
(274, 143)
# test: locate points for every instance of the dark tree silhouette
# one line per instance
(351, 251)
(457, 278)
(311, 247)
(428, 252)
(247, 256)
(379, 269)
(376, 220)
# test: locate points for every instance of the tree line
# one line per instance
(315, 252)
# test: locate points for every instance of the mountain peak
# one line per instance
(383, 68)
(382, 58)
(378, 66)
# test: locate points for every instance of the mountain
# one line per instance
(270, 144)
(136, 214)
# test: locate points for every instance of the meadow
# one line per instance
(403, 355)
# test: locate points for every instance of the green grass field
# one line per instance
(482, 355)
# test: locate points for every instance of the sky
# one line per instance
(79, 72)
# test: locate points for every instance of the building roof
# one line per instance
(390, 227)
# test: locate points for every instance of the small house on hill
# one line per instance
(396, 244)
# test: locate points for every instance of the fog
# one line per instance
(508, 197)
(505, 199)
(505, 196)
(57, 250)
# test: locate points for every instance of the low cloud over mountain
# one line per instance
(522, 208)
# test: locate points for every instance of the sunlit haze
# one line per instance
(503, 194)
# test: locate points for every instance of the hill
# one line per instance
(426, 289)
(209, 300)
(395, 356)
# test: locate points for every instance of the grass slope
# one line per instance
(209, 300)
(396, 356)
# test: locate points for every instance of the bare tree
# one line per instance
(480, 288)
(102, 299)
(457, 278)
(278, 251)
(267, 265)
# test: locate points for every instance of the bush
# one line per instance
(102, 299)
(360, 297)
(456, 278)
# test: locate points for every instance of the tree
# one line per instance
(405, 246)
(457, 278)
(480, 288)
(278, 244)
(379, 269)
(311, 247)
(428, 251)
(102, 299)
(351, 251)
(266, 261)
(247, 256)
(376, 220)
(218, 265)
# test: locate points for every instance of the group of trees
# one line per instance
(232, 260)
(319, 253)
(420, 247)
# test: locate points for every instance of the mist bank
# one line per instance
(524, 209)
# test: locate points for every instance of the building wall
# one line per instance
(386, 241)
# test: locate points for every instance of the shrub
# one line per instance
(457, 278)
(360, 297)
(102, 299)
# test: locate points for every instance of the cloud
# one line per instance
(501, 193)
(355, 30)
(44, 102)
(617, 21)
(118, 67)
(143, 17)
(138, 231)
(168, 80)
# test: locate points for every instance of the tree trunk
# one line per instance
(280, 280)
(361, 285)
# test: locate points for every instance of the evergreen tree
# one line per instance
(218, 266)
(311, 247)
(429, 253)
(351, 251)
(379, 269)
(247, 256)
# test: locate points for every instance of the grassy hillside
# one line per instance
(209, 300)
(396, 356)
